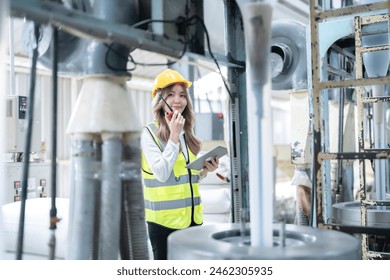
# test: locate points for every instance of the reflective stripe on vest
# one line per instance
(172, 203)
(151, 183)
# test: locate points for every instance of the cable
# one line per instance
(188, 22)
(147, 21)
(135, 63)
(53, 210)
(177, 21)
(198, 19)
(106, 60)
(30, 113)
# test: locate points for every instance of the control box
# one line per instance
(16, 122)
(209, 126)
(38, 183)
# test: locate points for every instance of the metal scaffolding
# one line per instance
(331, 75)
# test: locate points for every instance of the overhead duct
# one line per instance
(77, 56)
(288, 55)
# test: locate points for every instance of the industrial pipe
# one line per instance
(83, 194)
(257, 31)
(110, 210)
(288, 55)
(78, 56)
(134, 237)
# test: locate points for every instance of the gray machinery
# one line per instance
(105, 166)
(350, 128)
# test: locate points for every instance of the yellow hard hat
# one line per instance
(168, 77)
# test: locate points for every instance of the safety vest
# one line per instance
(176, 202)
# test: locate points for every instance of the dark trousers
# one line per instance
(158, 236)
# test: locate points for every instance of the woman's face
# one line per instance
(176, 97)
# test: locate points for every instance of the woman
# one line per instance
(171, 191)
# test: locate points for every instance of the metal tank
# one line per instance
(349, 213)
(230, 242)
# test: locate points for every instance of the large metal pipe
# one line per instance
(82, 198)
(103, 108)
(110, 210)
(79, 56)
(134, 237)
(257, 29)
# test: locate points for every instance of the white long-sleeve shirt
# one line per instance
(161, 163)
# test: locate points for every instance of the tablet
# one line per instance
(198, 164)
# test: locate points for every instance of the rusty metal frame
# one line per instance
(317, 86)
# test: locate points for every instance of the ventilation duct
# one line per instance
(288, 55)
(79, 56)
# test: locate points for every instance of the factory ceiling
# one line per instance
(283, 9)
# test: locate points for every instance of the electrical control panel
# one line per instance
(38, 182)
(209, 126)
(16, 121)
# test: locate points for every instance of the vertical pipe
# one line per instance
(326, 165)
(110, 210)
(53, 209)
(339, 188)
(257, 29)
(134, 240)
(379, 143)
(27, 144)
(97, 147)
(80, 232)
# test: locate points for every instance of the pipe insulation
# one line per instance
(110, 210)
(134, 236)
(82, 198)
